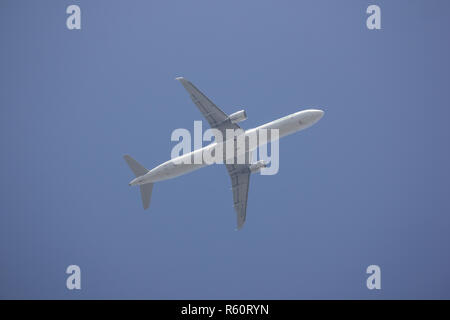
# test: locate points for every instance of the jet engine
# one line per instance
(255, 167)
(238, 116)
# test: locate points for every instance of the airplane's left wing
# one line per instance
(240, 181)
(216, 118)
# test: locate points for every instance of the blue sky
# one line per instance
(366, 185)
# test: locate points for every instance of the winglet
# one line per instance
(188, 85)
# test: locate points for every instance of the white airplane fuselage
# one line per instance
(177, 166)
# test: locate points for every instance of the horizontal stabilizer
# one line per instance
(135, 166)
(139, 170)
(146, 194)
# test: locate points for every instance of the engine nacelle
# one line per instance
(255, 167)
(238, 116)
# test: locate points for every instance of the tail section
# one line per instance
(135, 166)
(139, 170)
(146, 194)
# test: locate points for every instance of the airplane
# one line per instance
(239, 172)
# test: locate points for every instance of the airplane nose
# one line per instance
(318, 114)
(309, 117)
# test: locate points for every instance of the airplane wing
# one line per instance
(239, 173)
(240, 181)
(216, 118)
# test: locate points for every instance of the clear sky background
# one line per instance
(368, 184)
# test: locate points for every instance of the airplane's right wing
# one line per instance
(216, 118)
